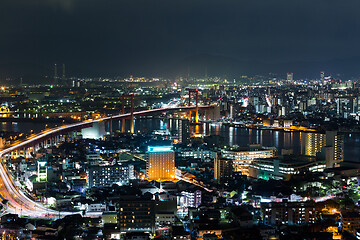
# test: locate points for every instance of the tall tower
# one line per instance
(55, 74)
(290, 77)
(322, 77)
(160, 163)
(63, 78)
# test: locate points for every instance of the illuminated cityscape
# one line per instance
(179, 120)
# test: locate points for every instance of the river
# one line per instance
(231, 135)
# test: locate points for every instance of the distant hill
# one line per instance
(11, 73)
(196, 66)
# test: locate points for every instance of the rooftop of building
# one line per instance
(179, 231)
(351, 214)
(287, 204)
(250, 147)
(291, 160)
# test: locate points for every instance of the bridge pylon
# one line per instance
(196, 92)
(111, 126)
(124, 98)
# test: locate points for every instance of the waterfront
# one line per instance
(25, 126)
(245, 136)
(231, 135)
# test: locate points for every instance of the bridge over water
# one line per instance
(18, 201)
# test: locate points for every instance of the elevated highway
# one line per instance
(20, 203)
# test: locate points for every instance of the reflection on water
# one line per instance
(352, 147)
(243, 137)
(231, 135)
(24, 127)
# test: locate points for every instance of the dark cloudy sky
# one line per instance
(165, 37)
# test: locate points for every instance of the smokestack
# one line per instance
(55, 74)
(63, 72)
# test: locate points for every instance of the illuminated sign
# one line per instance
(160, 149)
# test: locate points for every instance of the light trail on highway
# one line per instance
(18, 202)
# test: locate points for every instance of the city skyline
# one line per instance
(182, 119)
(141, 153)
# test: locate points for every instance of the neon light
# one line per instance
(161, 149)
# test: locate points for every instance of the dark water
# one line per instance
(24, 127)
(352, 147)
(244, 136)
(231, 135)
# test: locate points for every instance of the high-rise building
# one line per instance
(42, 171)
(184, 132)
(343, 106)
(290, 76)
(140, 214)
(223, 167)
(313, 143)
(161, 163)
(107, 175)
(336, 142)
(328, 146)
(322, 77)
(136, 215)
(291, 213)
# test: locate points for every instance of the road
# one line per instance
(180, 175)
(18, 202)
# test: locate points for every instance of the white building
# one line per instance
(107, 175)
(243, 157)
(196, 153)
(96, 207)
(190, 199)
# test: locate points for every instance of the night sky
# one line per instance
(176, 37)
